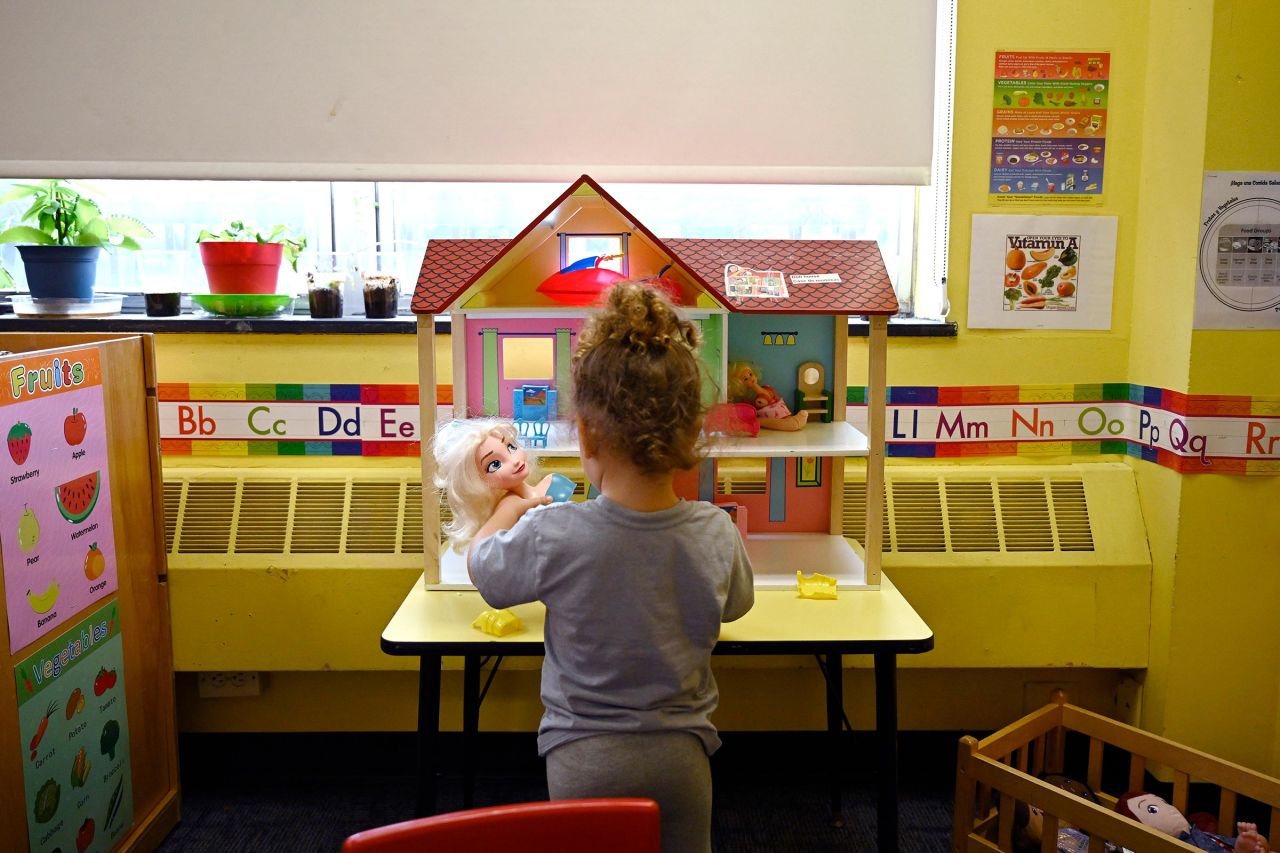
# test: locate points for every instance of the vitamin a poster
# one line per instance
(74, 733)
(1041, 272)
(1049, 128)
(56, 534)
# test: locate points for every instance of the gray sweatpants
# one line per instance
(670, 767)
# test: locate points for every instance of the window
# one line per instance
(612, 248)
(528, 358)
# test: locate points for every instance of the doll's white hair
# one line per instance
(471, 501)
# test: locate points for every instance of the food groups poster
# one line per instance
(1049, 128)
(75, 738)
(56, 533)
(1041, 272)
(1238, 285)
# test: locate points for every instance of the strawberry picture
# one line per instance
(19, 442)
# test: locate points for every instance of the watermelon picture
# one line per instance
(19, 442)
(77, 498)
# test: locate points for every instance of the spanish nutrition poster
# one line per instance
(1049, 128)
(74, 733)
(1238, 285)
(56, 534)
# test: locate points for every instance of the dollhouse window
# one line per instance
(575, 247)
(528, 358)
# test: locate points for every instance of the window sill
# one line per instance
(186, 324)
(303, 324)
(906, 327)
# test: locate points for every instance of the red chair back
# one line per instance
(619, 825)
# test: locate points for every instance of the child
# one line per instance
(636, 582)
(478, 462)
(771, 411)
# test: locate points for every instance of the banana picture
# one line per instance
(44, 602)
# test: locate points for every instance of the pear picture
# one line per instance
(28, 530)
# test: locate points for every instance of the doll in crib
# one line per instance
(478, 463)
(771, 411)
(1152, 811)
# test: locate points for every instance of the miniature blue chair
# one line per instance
(533, 408)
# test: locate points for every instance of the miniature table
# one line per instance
(432, 623)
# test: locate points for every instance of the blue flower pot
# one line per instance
(60, 272)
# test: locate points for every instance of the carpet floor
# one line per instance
(308, 792)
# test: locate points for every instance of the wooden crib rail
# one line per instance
(1188, 764)
(1007, 764)
(1059, 807)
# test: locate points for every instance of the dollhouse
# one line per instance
(516, 307)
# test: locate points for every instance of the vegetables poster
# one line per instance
(74, 734)
(1049, 128)
(56, 534)
(1041, 272)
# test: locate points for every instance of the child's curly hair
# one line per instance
(637, 380)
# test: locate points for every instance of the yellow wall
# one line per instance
(1193, 84)
(1220, 683)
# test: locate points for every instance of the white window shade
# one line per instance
(791, 91)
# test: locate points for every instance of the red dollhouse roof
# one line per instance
(864, 286)
(451, 266)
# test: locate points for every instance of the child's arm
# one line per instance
(505, 515)
(742, 590)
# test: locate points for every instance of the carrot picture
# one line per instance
(44, 724)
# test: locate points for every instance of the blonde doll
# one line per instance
(479, 462)
(745, 387)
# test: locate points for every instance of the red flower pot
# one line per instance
(241, 267)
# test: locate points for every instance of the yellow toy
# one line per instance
(816, 586)
(499, 623)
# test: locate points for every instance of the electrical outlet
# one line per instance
(220, 685)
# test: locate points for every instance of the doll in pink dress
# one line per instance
(771, 411)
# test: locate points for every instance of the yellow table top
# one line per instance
(858, 622)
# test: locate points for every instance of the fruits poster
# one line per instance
(1049, 128)
(56, 534)
(1041, 272)
(74, 735)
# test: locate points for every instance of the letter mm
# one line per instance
(976, 429)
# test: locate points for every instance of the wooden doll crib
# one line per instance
(995, 773)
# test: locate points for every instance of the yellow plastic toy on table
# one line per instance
(816, 586)
(499, 623)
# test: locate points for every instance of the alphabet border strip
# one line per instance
(1188, 433)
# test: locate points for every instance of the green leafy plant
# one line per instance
(239, 232)
(61, 214)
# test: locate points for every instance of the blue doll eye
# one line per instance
(1152, 810)
(512, 448)
(492, 467)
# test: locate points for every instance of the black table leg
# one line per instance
(428, 731)
(887, 748)
(834, 668)
(470, 726)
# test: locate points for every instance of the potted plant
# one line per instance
(240, 259)
(63, 232)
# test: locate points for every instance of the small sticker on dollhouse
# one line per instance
(818, 278)
(746, 283)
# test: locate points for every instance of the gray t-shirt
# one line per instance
(634, 605)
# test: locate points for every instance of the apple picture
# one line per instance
(74, 427)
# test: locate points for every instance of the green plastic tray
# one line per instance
(243, 304)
